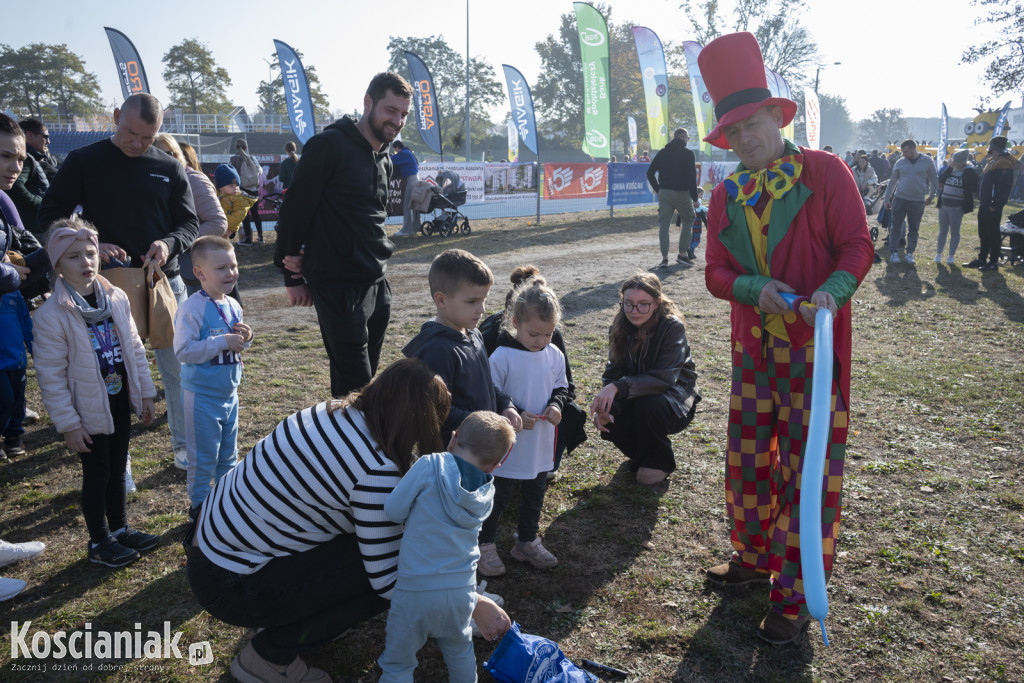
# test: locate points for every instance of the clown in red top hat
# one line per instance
(788, 219)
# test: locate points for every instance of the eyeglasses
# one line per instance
(642, 307)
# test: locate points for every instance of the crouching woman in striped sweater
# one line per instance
(294, 540)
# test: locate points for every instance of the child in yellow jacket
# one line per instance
(235, 204)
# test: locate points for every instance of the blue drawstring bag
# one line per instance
(522, 658)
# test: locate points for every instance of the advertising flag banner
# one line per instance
(654, 74)
(424, 102)
(594, 58)
(513, 142)
(940, 148)
(702, 108)
(627, 184)
(296, 92)
(633, 144)
(812, 119)
(1000, 126)
(129, 65)
(576, 180)
(521, 103)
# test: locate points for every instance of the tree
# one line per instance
(837, 128)
(787, 46)
(272, 94)
(448, 69)
(1005, 70)
(73, 89)
(196, 83)
(45, 80)
(884, 126)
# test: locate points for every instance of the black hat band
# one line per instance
(740, 98)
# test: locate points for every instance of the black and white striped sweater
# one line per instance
(319, 474)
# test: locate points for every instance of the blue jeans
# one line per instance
(211, 435)
(912, 211)
(170, 373)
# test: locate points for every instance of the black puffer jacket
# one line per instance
(663, 365)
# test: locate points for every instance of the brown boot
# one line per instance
(734, 574)
(778, 630)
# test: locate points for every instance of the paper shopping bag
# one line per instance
(163, 306)
(133, 282)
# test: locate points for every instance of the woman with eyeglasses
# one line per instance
(650, 383)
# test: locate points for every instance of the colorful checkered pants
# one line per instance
(768, 416)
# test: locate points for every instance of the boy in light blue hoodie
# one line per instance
(443, 499)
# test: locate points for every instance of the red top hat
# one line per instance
(733, 71)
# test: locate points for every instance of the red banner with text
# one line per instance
(575, 180)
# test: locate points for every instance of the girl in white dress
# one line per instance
(531, 370)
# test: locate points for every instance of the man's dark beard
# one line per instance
(378, 130)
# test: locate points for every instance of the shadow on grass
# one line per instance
(993, 286)
(726, 647)
(593, 554)
(159, 599)
(901, 284)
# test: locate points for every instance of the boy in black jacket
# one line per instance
(452, 346)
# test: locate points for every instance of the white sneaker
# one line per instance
(482, 590)
(129, 483)
(181, 460)
(894, 258)
(938, 258)
(16, 552)
(31, 417)
(11, 587)
(910, 258)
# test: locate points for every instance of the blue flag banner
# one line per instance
(1000, 126)
(940, 149)
(521, 103)
(424, 102)
(296, 92)
(627, 184)
(129, 65)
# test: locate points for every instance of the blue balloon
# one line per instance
(812, 561)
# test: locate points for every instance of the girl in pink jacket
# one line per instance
(92, 371)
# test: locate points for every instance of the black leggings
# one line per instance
(641, 431)
(301, 601)
(104, 504)
(531, 500)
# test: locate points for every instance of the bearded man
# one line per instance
(331, 243)
(788, 220)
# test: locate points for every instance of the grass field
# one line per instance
(929, 578)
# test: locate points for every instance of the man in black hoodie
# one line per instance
(331, 243)
(673, 176)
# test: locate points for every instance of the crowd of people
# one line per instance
(391, 494)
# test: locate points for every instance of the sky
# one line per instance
(894, 53)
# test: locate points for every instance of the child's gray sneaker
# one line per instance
(490, 564)
(534, 553)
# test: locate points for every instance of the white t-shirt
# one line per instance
(529, 377)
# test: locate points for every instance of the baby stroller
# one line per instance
(874, 203)
(448, 193)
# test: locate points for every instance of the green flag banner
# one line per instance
(594, 57)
